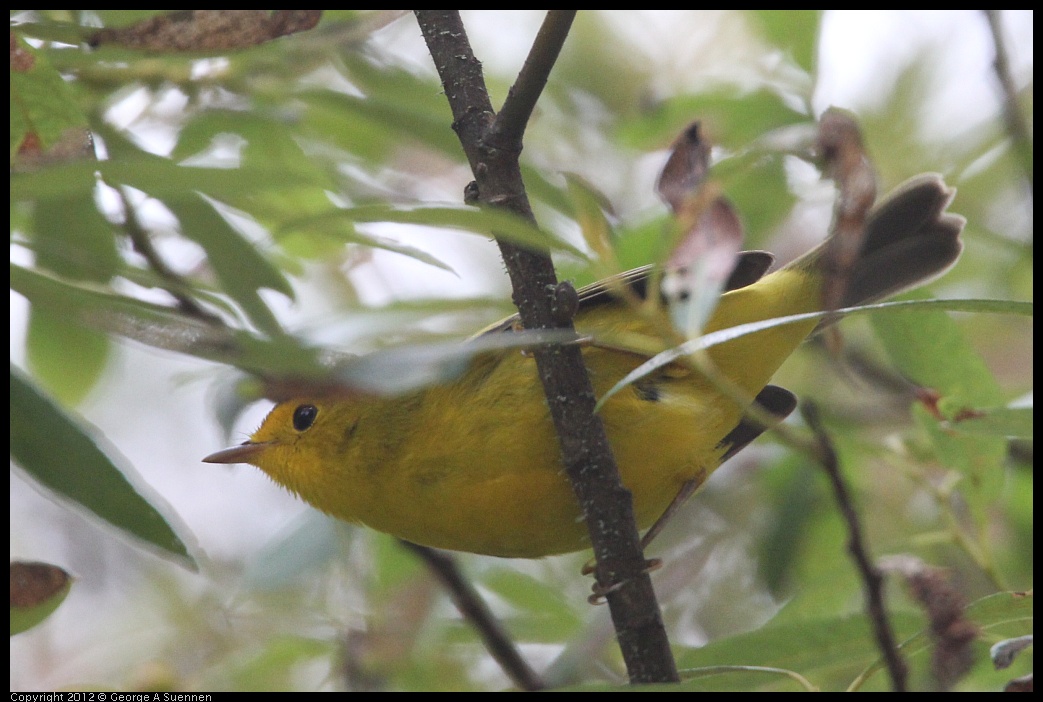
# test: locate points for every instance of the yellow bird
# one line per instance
(474, 464)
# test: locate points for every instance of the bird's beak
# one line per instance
(238, 454)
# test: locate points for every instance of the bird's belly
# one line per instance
(514, 499)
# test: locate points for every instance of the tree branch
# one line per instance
(871, 577)
(509, 127)
(474, 610)
(1019, 131)
(543, 303)
(176, 285)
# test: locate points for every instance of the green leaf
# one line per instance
(305, 234)
(997, 616)
(61, 454)
(978, 458)
(281, 210)
(71, 237)
(1009, 422)
(43, 107)
(67, 358)
(835, 652)
(240, 267)
(793, 31)
(545, 614)
(793, 503)
(588, 209)
(829, 651)
(928, 348)
(724, 335)
(269, 142)
(369, 127)
(485, 222)
(759, 189)
(162, 327)
(403, 105)
(271, 667)
(730, 118)
(401, 369)
(160, 177)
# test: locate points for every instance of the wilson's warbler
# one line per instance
(474, 465)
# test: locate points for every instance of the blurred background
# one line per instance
(284, 598)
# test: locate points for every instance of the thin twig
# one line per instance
(543, 303)
(177, 287)
(1019, 131)
(871, 576)
(510, 123)
(474, 610)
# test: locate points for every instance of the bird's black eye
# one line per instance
(304, 416)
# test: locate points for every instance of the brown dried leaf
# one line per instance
(1022, 684)
(845, 160)
(74, 143)
(700, 265)
(714, 240)
(208, 30)
(685, 169)
(35, 583)
(945, 607)
(22, 60)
